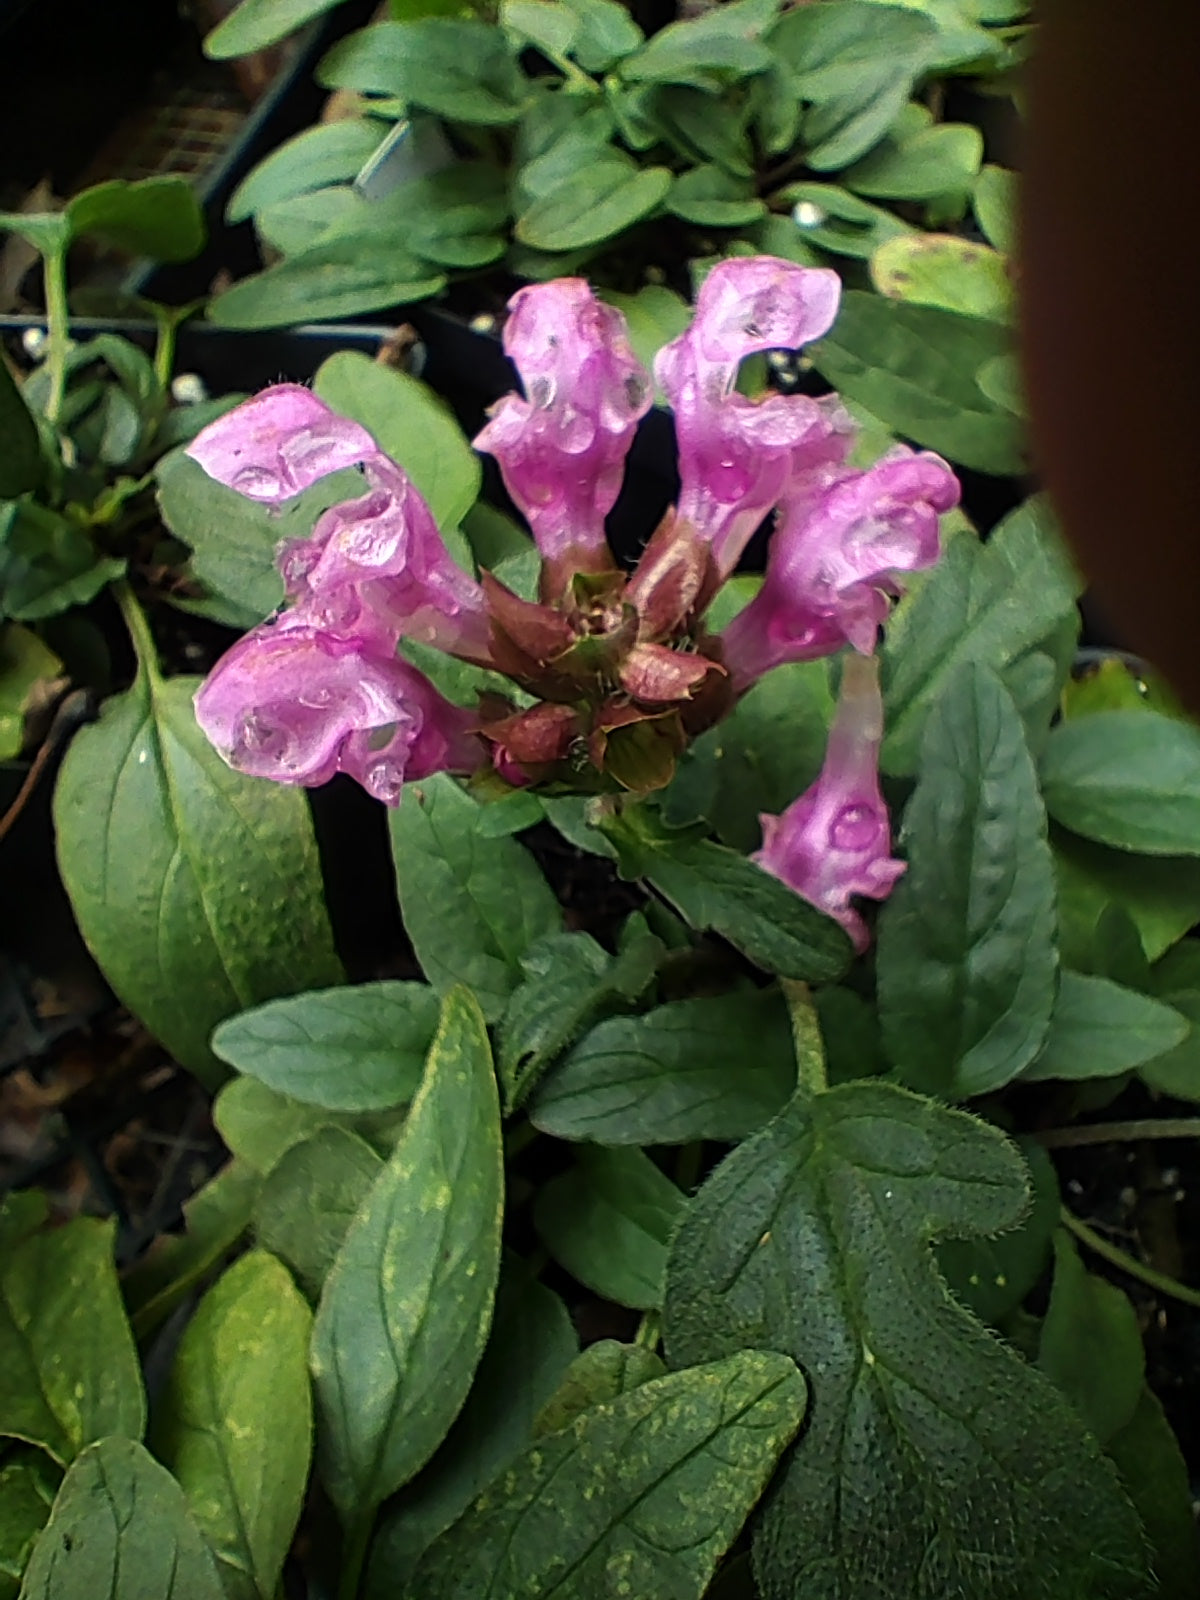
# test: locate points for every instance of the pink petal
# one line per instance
(278, 444)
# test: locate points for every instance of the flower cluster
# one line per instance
(618, 670)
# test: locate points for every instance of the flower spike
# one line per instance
(835, 840)
(738, 457)
(562, 448)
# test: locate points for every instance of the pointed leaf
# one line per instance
(1091, 1345)
(234, 1424)
(598, 1374)
(406, 1309)
(1130, 779)
(120, 1530)
(646, 1492)
(1099, 1029)
(309, 1199)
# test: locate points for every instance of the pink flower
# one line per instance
(836, 558)
(295, 703)
(381, 556)
(738, 457)
(562, 448)
(835, 840)
(278, 444)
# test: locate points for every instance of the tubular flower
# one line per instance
(739, 457)
(382, 555)
(835, 840)
(562, 448)
(295, 703)
(835, 560)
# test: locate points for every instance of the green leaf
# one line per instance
(48, 563)
(256, 24)
(347, 1049)
(234, 1424)
(197, 889)
(570, 982)
(839, 221)
(406, 1308)
(21, 454)
(967, 962)
(69, 1373)
(28, 1484)
(706, 51)
(680, 1072)
(683, 118)
(1130, 779)
(120, 1529)
(914, 367)
(355, 269)
(844, 127)
(598, 203)
(608, 1221)
(1160, 893)
(993, 1276)
(409, 423)
(48, 232)
(922, 1424)
(472, 905)
(606, 35)
(1091, 1345)
(548, 24)
(990, 603)
(454, 218)
(462, 69)
(233, 539)
(834, 49)
(602, 1372)
(1100, 1029)
(158, 217)
(1155, 1476)
(940, 269)
(260, 1125)
(648, 1490)
(25, 663)
(934, 161)
(714, 199)
(330, 152)
(995, 203)
(529, 1348)
(713, 887)
(217, 1216)
(309, 1199)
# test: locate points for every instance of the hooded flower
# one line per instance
(562, 448)
(835, 840)
(278, 444)
(739, 457)
(296, 703)
(836, 558)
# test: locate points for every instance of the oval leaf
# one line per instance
(346, 1049)
(234, 1424)
(1099, 1029)
(1126, 778)
(363, 268)
(647, 1491)
(120, 1530)
(256, 24)
(309, 1199)
(968, 963)
(406, 1308)
(597, 204)
(940, 269)
(198, 890)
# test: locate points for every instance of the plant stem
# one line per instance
(164, 350)
(354, 1556)
(1121, 1259)
(58, 328)
(811, 1076)
(1120, 1132)
(649, 1331)
(139, 630)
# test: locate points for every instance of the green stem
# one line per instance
(164, 350)
(811, 1075)
(354, 1556)
(573, 74)
(58, 329)
(649, 1331)
(139, 631)
(1120, 1132)
(1126, 1263)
